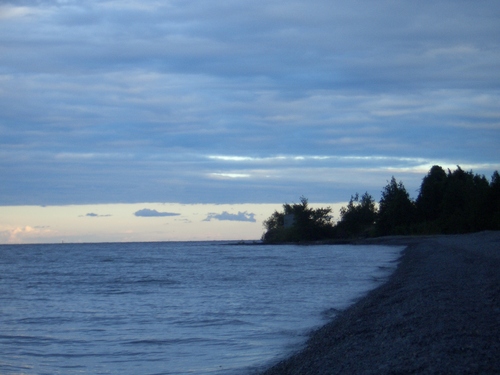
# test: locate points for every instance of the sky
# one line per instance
(219, 111)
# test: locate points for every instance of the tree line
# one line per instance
(449, 202)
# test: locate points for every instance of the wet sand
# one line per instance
(439, 313)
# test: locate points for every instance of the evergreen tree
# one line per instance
(430, 198)
(453, 202)
(358, 218)
(396, 210)
(465, 202)
(494, 202)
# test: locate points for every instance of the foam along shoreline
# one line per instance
(438, 313)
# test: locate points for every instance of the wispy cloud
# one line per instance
(240, 216)
(229, 175)
(146, 212)
(92, 214)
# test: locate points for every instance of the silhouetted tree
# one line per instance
(494, 202)
(396, 210)
(308, 224)
(453, 202)
(358, 218)
(465, 202)
(430, 198)
(275, 221)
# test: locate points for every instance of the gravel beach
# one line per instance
(439, 313)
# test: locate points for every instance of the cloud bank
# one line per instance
(24, 234)
(233, 102)
(240, 216)
(146, 212)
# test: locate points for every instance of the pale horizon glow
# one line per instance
(117, 222)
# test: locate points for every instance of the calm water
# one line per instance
(172, 308)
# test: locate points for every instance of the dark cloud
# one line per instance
(146, 212)
(240, 216)
(92, 214)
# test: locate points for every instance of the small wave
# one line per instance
(162, 342)
(147, 280)
(23, 338)
(45, 320)
(143, 280)
(107, 260)
(330, 313)
(14, 368)
(199, 323)
(37, 341)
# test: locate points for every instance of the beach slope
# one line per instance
(438, 313)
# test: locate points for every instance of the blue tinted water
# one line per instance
(172, 308)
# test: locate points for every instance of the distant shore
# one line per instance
(438, 313)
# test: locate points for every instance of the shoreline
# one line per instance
(439, 312)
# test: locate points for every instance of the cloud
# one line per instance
(240, 216)
(92, 214)
(146, 212)
(24, 234)
(107, 104)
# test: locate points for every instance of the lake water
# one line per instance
(172, 307)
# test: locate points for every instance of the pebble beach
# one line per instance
(439, 313)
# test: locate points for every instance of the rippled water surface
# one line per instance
(171, 308)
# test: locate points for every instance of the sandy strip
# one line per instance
(439, 313)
